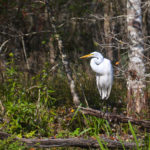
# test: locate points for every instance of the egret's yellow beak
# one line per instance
(85, 56)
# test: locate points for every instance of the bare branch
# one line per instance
(3, 44)
(27, 34)
(24, 50)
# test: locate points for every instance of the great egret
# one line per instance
(104, 73)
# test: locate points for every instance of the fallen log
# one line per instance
(114, 117)
(70, 142)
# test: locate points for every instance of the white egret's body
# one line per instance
(104, 73)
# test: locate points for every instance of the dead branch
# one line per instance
(114, 117)
(24, 35)
(65, 62)
(25, 53)
(70, 142)
(3, 44)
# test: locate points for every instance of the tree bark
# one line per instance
(137, 103)
(51, 40)
(51, 50)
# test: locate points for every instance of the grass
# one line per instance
(134, 135)
(101, 145)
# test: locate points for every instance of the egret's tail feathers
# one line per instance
(104, 89)
(108, 92)
(105, 93)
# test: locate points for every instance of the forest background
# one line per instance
(35, 97)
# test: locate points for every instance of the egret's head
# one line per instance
(93, 55)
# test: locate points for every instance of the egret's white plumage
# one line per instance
(104, 73)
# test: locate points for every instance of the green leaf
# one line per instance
(43, 42)
(100, 143)
(11, 54)
(134, 135)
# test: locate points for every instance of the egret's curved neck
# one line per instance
(98, 60)
(95, 64)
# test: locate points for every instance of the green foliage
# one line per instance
(107, 128)
(100, 143)
(9, 144)
(28, 103)
(134, 135)
(96, 125)
(91, 126)
(147, 140)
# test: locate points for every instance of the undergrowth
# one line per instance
(41, 106)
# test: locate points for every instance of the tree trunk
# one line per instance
(136, 70)
(51, 50)
(107, 29)
(51, 40)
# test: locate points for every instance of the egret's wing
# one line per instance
(110, 79)
(109, 85)
(108, 92)
(104, 85)
(98, 84)
(100, 80)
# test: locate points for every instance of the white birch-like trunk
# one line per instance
(136, 69)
